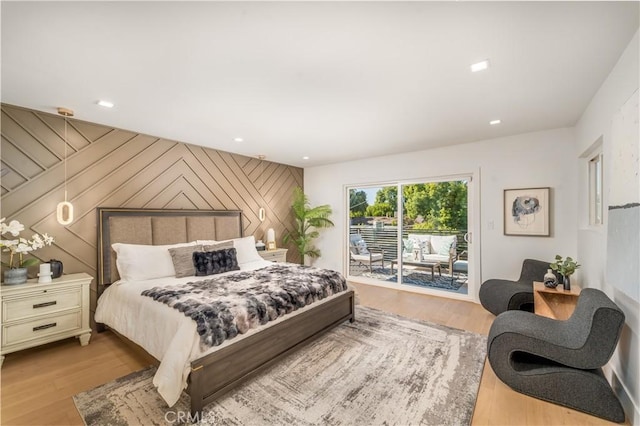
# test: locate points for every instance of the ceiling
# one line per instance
(333, 81)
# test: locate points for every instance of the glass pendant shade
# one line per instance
(64, 213)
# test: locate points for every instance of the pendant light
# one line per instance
(262, 213)
(64, 211)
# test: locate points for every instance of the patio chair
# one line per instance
(365, 255)
(460, 265)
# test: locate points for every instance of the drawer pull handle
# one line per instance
(44, 305)
(44, 327)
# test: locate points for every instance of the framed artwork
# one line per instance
(526, 212)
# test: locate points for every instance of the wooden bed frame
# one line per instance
(216, 373)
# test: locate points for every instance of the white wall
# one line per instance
(596, 122)
(538, 159)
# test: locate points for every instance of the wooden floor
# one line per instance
(37, 384)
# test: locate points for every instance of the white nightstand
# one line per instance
(277, 255)
(34, 314)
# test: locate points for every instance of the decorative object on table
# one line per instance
(550, 279)
(565, 267)
(271, 239)
(444, 385)
(526, 212)
(15, 276)
(308, 221)
(56, 268)
(64, 210)
(420, 246)
(260, 245)
(16, 272)
(44, 276)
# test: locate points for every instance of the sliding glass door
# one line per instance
(411, 234)
(434, 225)
(373, 232)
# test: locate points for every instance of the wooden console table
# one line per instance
(555, 303)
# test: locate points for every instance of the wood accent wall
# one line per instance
(118, 168)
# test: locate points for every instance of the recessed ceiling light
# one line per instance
(479, 66)
(494, 122)
(305, 158)
(105, 104)
(238, 140)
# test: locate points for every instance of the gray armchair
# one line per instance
(498, 295)
(559, 361)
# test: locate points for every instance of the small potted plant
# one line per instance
(16, 272)
(565, 268)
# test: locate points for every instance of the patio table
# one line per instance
(430, 265)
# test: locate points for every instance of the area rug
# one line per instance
(422, 279)
(380, 370)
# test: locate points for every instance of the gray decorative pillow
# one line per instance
(217, 246)
(182, 258)
(215, 262)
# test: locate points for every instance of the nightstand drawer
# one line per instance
(41, 327)
(40, 303)
(277, 255)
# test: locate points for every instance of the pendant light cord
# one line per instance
(65, 158)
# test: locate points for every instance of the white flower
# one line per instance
(8, 244)
(37, 242)
(23, 248)
(14, 227)
(20, 246)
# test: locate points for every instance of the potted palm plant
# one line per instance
(308, 221)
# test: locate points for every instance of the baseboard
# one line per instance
(630, 407)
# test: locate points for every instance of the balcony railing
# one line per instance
(386, 237)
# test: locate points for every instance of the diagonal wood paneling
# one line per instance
(118, 168)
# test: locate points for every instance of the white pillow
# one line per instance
(138, 262)
(208, 242)
(442, 244)
(246, 249)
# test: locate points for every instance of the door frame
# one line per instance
(473, 228)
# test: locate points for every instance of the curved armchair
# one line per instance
(559, 361)
(498, 296)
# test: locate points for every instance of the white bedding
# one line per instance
(164, 332)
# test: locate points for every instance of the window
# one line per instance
(595, 190)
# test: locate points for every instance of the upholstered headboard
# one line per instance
(157, 227)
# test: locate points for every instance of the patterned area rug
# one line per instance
(419, 278)
(380, 370)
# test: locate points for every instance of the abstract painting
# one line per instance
(526, 212)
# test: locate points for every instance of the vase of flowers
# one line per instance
(18, 247)
(565, 267)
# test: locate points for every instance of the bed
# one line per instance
(212, 372)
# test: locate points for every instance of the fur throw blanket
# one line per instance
(226, 306)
